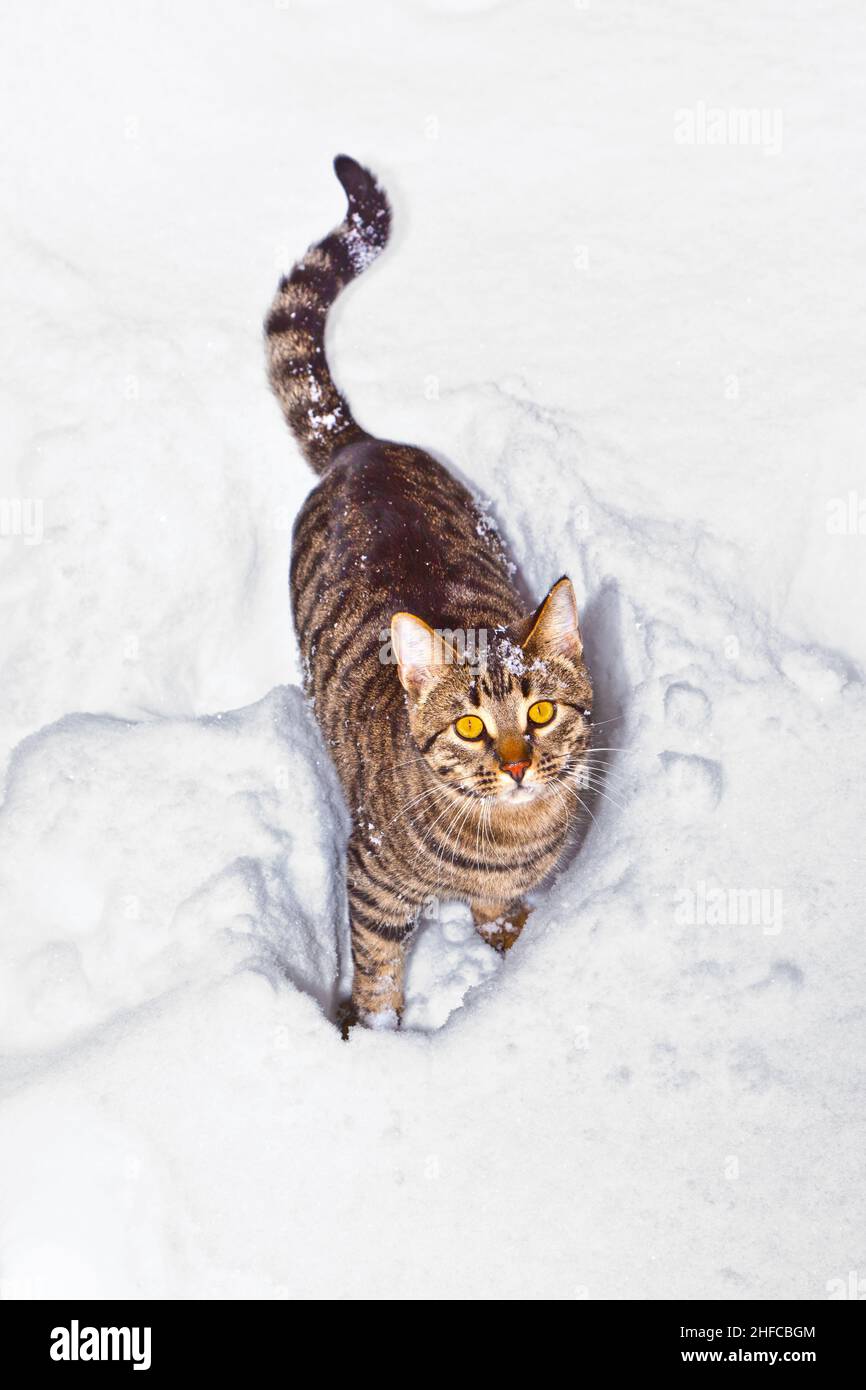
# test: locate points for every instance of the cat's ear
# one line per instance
(420, 653)
(554, 629)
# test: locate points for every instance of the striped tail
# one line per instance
(317, 414)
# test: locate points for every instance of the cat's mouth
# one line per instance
(518, 795)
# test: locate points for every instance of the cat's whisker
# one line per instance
(446, 837)
(593, 776)
(417, 761)
(480, 849)
(580, 802)
(598, 791)
(414, 801)
(463, 806)
(457, 830)
(597, 764)
(428, 832)
(602, 770)
(560, 799)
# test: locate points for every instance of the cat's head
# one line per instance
(508, 716)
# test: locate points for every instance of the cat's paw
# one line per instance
(385, 1020)
(345, 1018)
(500, 931)
(349, 1016)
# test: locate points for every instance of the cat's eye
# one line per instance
(541, 712)
(469, 726)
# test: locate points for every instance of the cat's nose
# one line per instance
(515, 755)
(516, 770)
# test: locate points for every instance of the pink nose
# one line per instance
(516, 770)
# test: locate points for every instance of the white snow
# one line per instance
(647, 351)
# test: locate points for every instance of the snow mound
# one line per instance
(137, 857)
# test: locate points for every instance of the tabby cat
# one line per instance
(457, 738)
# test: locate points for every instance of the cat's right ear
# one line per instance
(420, 653)
(555, 630)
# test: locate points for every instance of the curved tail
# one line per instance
(316, 413)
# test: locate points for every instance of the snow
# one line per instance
(645, 351)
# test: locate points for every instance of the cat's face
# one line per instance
(514, 721)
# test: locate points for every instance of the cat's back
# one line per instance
(387, 529)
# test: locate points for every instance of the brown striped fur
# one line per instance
(391, 558)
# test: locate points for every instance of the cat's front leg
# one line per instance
(500, 924)
(382, 920)
(378, 956)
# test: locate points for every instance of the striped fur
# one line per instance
(388, 551)
(315, 411)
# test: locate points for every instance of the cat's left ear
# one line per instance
(554, 629)
(421, 653)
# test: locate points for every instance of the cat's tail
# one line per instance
(316, 413)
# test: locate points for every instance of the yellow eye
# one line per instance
(541, 712)
(470, 726)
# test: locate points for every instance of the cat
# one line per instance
(458, 737)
